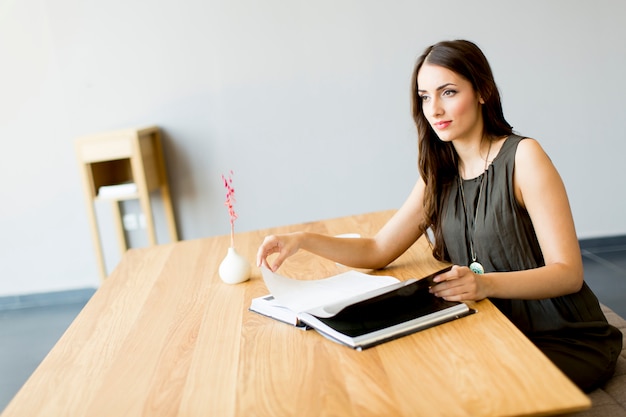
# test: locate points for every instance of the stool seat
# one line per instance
(123, 165)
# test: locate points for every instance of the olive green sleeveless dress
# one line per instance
(571, 330)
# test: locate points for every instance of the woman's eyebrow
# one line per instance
(441, 87)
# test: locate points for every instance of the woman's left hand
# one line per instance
(460, 284)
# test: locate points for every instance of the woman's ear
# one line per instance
(484, 95)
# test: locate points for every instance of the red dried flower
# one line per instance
(230, 202)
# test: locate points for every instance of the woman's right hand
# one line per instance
(284, 245)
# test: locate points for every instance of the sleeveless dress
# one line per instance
(571, 330)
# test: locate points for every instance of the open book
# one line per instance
(357, 309)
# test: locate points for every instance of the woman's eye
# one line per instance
(424, 98)
(449, 93)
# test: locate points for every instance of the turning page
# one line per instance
(324, 297)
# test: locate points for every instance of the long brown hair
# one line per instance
(437, 160)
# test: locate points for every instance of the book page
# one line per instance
(313, 295)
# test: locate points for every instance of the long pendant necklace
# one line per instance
(474, 266)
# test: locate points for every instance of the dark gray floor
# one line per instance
(27, 333)
(26, 336)
(605, 270)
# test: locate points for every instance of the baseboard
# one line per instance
(77, 296)
(603, 242)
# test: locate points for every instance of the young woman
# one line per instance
(498, 211)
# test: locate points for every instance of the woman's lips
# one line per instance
(442, 125)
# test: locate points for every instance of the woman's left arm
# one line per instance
(538, 188)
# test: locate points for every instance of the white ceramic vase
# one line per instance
(234, 268)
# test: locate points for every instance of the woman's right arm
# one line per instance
(393, 239)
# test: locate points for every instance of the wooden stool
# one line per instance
(124, 165)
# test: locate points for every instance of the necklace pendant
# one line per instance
(477, 268)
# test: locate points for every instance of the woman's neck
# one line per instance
(474, 156)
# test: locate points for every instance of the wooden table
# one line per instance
(164, 336)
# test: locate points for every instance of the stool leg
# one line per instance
(139, 176)
(169, 213)
(119, 226)
(91, 217)
(146, 208)
(95, 236)
(165, 188)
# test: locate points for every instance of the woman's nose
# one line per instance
(435, 108)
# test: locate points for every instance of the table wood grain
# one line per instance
(164, 336)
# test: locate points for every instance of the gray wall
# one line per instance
(306, 101)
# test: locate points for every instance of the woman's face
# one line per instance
(449, 103)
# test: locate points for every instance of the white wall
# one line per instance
(306, 101)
